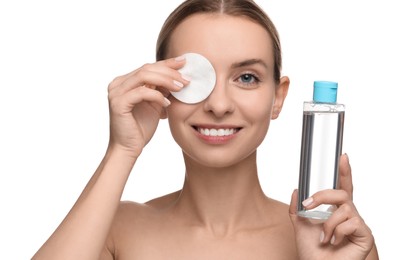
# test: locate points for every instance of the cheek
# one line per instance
(256, 105)
(174, 113)
(258, 112)
(177, 114)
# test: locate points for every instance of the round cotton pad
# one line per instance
(202, 75)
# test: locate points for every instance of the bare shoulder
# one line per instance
(133, 213)
(137, 224)
(164, 201)
(130, 208)
(281, 232)
(280, 210)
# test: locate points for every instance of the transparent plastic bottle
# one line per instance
(322, 138)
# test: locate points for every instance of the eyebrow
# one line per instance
(248, 63)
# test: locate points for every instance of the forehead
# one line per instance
(221, 37)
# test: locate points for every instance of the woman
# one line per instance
(221, 212)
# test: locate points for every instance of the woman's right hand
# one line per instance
(137, 101)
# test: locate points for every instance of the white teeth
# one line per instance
(216, 132)
(213, 132)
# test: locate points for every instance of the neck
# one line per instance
(222, 199)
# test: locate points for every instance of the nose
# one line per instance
(220, 101)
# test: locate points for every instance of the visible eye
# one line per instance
(248, 79)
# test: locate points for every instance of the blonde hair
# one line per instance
(244, 8)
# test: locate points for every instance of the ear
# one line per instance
(280, 94)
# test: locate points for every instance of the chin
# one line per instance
(220, 159)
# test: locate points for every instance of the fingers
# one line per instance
(161, 74)
(293, 203)
(125, 103)
(345, 178)
(353, 230)
(296, 220)
(345, 226)
(333, 197)
(345, 220)
(345, 216)
(160, 77)
(173, 63)
(339, 196)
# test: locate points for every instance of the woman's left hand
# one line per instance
(344, 235)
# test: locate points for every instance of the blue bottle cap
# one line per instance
(325, 91)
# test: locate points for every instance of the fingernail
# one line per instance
(321, 237)
(180, 58)
(332, 240)
(178, 84)
(307, 202)
(166, 102)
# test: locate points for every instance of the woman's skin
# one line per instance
(221, 211)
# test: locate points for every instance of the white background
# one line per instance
(58, 57)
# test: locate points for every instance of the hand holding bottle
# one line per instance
(344, 235)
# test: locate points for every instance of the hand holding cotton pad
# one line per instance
(202, 75)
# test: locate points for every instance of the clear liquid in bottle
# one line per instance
(322, 136)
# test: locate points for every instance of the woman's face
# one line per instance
(232, 122)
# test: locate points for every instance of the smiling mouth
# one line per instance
(217, 132)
